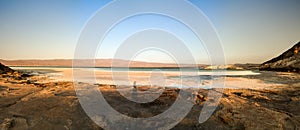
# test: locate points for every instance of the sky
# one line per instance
(250, 31)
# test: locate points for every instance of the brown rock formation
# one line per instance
(288, 61)
(5, 69)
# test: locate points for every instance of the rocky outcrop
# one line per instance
(5, 69)
(288, 61)
(247, 66)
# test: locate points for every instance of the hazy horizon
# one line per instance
(138, 60)
(250, 31)
(53, 59)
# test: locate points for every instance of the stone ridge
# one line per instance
(288, 61)
(5, 69)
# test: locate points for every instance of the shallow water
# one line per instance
(146, 76)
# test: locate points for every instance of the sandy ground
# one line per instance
(267, 101)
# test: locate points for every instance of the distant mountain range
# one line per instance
(120, 63)
(288, 61)
(86, 63)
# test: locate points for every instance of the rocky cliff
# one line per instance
(288, 61)
(5, 69)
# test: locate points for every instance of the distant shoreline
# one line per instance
(116, 63)
(146, 68)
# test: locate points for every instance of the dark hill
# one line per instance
(288, 61)
(5, 69)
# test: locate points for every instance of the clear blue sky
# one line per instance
(251, 31)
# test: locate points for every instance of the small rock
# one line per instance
(6, 124)
(238, 93)
(25, 75)
(198, 97)
(19, 123)
(256, 104)
(226, 118)
(28, 82)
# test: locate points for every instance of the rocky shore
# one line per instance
(289, 61)
(27, 103)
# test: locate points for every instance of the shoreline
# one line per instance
(171, 78)
(26, 102)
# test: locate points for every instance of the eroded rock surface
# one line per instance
(287, 61)
(26, 103)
